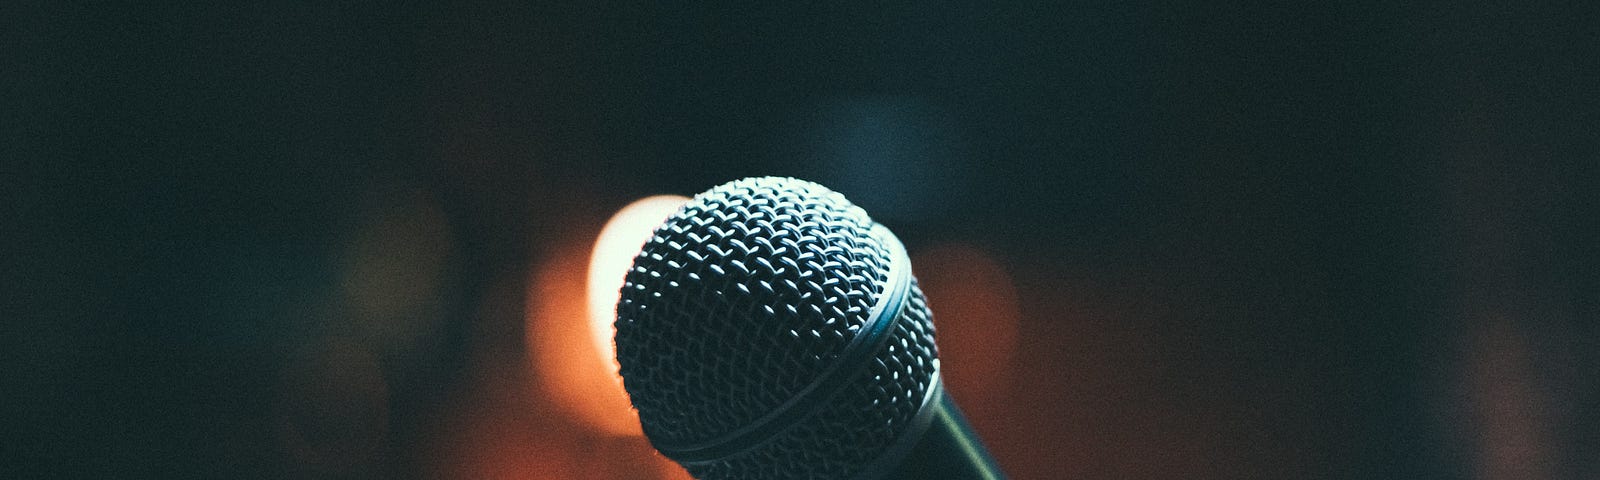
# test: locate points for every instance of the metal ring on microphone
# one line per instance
(870, 338)
(902, 446)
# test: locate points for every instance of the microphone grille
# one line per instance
(742, 299)
(859, 424)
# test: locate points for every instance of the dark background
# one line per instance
(1248, 240)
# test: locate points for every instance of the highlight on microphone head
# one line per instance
(771, 329)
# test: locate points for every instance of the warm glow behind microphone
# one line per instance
(771, 329)
(614, 249)
(571, 303)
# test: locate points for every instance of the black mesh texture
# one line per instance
(866, 417)
(741, 300)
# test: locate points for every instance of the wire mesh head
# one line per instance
(743, 299)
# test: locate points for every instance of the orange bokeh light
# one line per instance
(571, 308)
(619, 242)
(975, 310)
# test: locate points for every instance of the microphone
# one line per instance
(771, 330)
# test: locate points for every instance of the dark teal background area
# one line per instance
(1313, 206)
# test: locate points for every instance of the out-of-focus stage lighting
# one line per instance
(572, 306)
(621, 239)
(977, 320)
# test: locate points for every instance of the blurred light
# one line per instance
(572, 305)
(394, 267)
(619, 242)
(1508, 409)
(974, 303)
(899, 157)
(668, 469)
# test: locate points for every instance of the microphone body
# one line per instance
(771, 330)
(948, 449)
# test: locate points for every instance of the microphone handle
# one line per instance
(947, 450)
